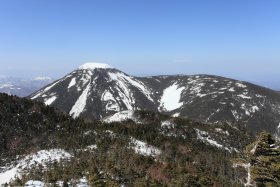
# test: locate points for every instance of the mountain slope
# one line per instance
(212, 99)
(98, 90)
(39, 143)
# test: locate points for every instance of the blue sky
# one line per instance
(239, 38)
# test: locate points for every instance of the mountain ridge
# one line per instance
(101, 92)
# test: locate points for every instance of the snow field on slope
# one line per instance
(80, 104)
(45, 90)
(72, 82)
(170, 99)
(124, 82)
(50, 100)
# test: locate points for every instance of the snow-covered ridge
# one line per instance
(94, 65)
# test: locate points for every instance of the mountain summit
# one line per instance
(96, 90)
(95, 65)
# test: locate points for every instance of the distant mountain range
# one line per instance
(22, 87)
(97, 90)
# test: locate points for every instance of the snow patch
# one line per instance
(45, 90)
(83, 182)
(231, 89)
(50, 100)
(167, 124)
(202, 135)
(125, 81)
(244, 96)
(80, 104)
(111, 103)
(94, 65)
(41, 157)
(170, 99)
(33, 183)
(121, 116)
(176, 114)
(240, 85)
(222, 131)
(206, 138)
(143, 148)
(72, 83)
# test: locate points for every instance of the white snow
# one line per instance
(167, 124)
(244, 96)
(124, 83)
(50, 100)
(80, 104)
(204, 137)
(90, 147)
(231, 89)
(111, 103)
(222, 131)
(41, 157)
(33, 183)
(72, 83)
(176, 114)
(121, 116)
(235, 114)
(124, 92)
(254, 109)
(94, 65)
(138, 85)
(45, 90)
(83, 182)
(170, 99)
(143, 148)
(49, 87)
(239, 84)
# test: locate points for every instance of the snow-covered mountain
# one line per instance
(97, 90)
(22, 87)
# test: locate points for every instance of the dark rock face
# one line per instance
(99, 91)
